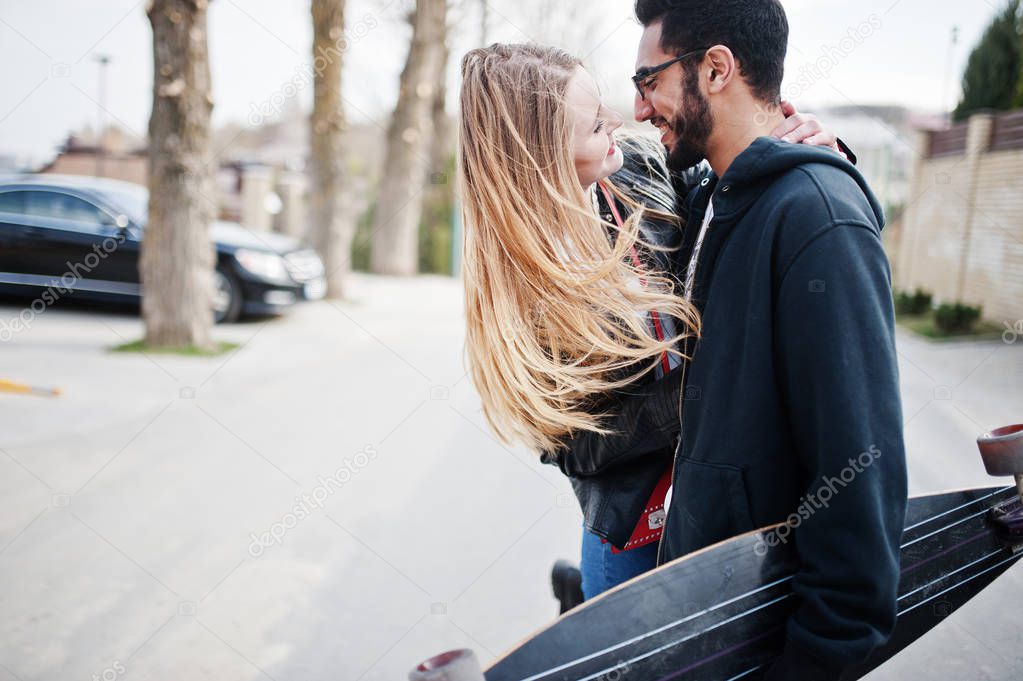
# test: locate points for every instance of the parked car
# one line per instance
(54, 230)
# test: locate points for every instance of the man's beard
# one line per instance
(692, 126)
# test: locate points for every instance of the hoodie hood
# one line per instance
(767, 159)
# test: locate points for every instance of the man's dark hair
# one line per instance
(756, 31)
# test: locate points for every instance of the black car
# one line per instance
(82, 234)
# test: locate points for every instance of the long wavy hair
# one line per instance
(556, 315)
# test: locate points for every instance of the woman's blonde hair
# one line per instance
(556, 317)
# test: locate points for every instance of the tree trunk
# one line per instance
(332, 222)
(399, 204)
(441, 146)
(177, 257)
(435, 224)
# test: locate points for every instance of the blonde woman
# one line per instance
(573, 304)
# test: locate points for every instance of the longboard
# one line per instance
(719, 614)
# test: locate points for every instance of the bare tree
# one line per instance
(435, 222)
(574, 27)
(441, 146)
(177, 256)
(332, 224)
(399, 205)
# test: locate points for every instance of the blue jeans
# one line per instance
(602, 570)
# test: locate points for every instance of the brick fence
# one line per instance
(962, 234)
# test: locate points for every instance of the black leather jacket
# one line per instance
(614, 475)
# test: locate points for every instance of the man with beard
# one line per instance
(793, 383)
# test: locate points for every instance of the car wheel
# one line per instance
(227, 296)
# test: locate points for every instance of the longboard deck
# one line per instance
(719, 614)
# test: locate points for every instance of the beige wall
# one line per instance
(963, 227)
(127, 168)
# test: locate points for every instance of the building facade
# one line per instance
(962, 231)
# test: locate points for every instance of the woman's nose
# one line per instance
(616, 120)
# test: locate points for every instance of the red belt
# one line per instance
(651, 523)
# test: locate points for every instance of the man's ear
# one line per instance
(722, 68)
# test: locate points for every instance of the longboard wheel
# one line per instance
(454, 665)
(1002, 450)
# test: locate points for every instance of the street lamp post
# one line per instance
(103, 60)
(484, 22)
(948, 71)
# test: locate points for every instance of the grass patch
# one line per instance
(923, 325)
(185, 350)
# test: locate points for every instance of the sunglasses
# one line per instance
(643, 77)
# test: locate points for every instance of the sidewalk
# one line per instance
(327, 502)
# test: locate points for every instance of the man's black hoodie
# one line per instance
(793, 388)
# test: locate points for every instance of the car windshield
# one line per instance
(132, 201)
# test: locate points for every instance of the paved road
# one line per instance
(327, 503)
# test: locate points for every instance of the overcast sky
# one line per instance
(864, 51)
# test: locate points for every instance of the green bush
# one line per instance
(435, 231)
(435, 227)
(956, 318)
(916, 303)
(435, 236)
(361, 240)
